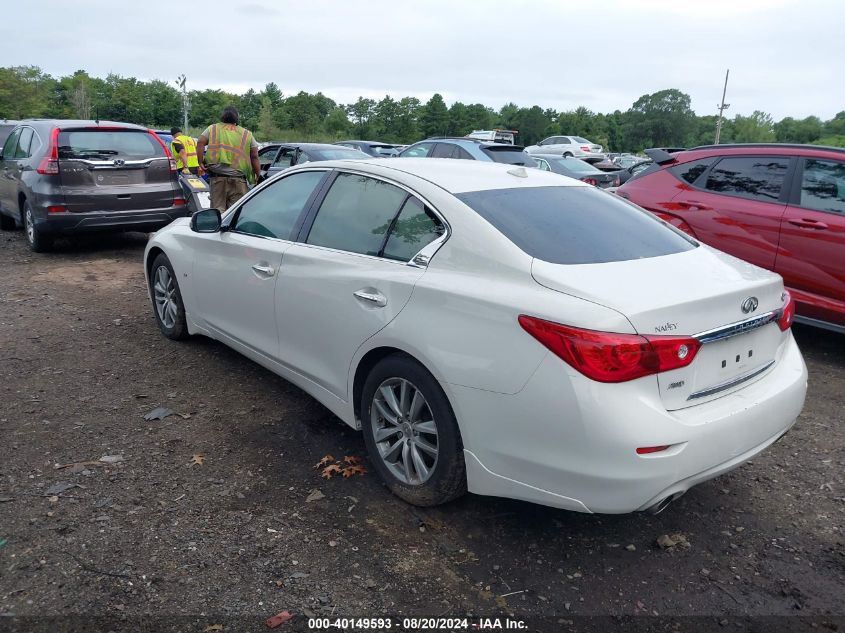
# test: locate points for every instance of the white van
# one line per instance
(505, 137)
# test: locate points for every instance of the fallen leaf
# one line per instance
(197, 460)
(279, 618)
(331, 469)
(327, 459)
(159, 413)
(352, 460)
(349, 471)
(213, 627)
(315, 495)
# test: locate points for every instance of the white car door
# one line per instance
(235, 271)
(350, 276)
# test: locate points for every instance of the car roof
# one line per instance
(75, 123)
(470, 142)
(459, 176)
(787, 149)
(307, 146)
(367, 143)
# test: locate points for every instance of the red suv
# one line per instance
(781, 207)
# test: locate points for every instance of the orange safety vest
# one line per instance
(229, 145)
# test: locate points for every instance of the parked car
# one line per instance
(165, 136)
(508, 137)
(634, 170)
(276, 157)
(6, 127)
(372, 148)
(62, 177)
(575, 168)
(781, 207)
(468, 149)
(566, 146)
(501, 330)
(624, 161)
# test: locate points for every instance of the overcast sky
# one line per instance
(785, 56)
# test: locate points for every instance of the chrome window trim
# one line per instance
(737, 328)
(730, 383)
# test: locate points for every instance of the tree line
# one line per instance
(662, 119)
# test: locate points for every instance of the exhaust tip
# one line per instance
(661, 505)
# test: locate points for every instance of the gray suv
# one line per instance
(59, 177)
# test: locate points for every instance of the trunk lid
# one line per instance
(114, 170)
(688, 293)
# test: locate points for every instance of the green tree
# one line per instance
(361, 111)
(756, 128)
(662, 119)
(836, 126)
(790, 130)
(267, 129)
(337, 123)
(434, 116)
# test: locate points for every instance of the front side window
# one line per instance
(542, 164)
(273, 212)
(285, 157)
(689, 172)
(575, 225)
(823, 186)
(418, 151)
(415, 227)
(755, 177)
(266, 155)
(356, 214)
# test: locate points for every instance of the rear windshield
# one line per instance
(575, 225)
(575, 164)
(108, 144)
(509, 155)
(340, 152)
(578, 139)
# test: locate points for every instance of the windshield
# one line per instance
(337, 153)
(109, 144)
(575, 225)
(509, 156)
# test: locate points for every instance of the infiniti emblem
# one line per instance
(749, 305)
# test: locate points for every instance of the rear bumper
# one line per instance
(143, 220)
(569, 442)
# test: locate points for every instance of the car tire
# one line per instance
(6, 223)
(38, 242)
(400, 440)
(168, 309)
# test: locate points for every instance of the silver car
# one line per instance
(576, 146)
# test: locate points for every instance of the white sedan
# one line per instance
(492, 328)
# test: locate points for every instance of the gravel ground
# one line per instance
(204, 517)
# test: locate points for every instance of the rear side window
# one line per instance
(415, 227)
(509, 156)
(109, 144)
(575, 225)
(11, 145)
(356, 214)
(823, 186)
(689, 172)
(443, 150)
(273, 211)
(5, 130)
(756, 177)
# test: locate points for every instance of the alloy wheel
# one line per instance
(404, 431)
(164, 291)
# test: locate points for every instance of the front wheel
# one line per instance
(38, 242)
(167, 299)
(567, 154)
(411, 433)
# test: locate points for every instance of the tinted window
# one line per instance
(5, 130)
(542, 164)
(266, 155)
(574, 225)
(564, 140)
(102, 144)
(11, 145)
(274, 211)
(23, 143)
(356, 214)
(415, 227)
(579, 139)
(760, 177)
(442, 150)
(336, 153)
(462, 154)
(823, 186)
(417, 151)
(576, 165)
(285, 157)
(689, 172)
(509, 156)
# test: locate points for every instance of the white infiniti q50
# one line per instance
(492, 328)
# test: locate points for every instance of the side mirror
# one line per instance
(206, 221)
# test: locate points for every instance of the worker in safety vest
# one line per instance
(184, 151)
(229, 153)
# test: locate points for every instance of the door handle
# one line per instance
(376, 298)
(808, 224)
(267, 271)
(694, 204)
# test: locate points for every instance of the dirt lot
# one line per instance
(234, 540)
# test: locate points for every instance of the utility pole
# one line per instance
(722, 107)
(181, 81)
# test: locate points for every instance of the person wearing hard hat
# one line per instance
(229, 153)
(184, 151)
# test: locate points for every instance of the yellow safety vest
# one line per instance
(229, 145)
(190, 149)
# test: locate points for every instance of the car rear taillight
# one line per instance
(585, 148)
(49, 165)
(590, 181)
(57, 208)
(179, 201)
(166, 151)
(612, 357)
(646, 450)
(788, 313)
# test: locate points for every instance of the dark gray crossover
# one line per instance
(59, 177)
